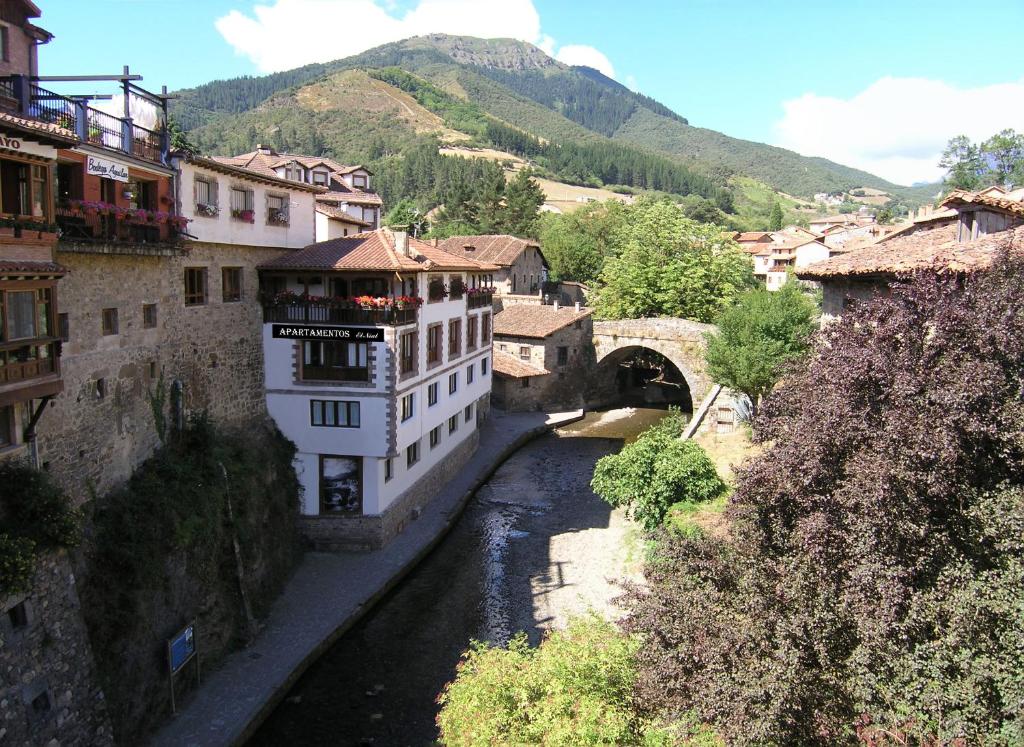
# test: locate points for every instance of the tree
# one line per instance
(575, 244)
(1005, 154)
(758, 337)
(869, 588)
(657, 470)
(963, 163)
(523, 198)
(666, 265)
(775, 218)
(704, 211)
(406, 216)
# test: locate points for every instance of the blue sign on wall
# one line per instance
(182, 648)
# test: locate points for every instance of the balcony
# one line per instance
(338, 312)
(478, 299)
(107, 223)
(25, 361)
(24, 97)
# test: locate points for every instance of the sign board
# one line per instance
(27, 146)
(181, 648)
(320, 332)
(107, 169)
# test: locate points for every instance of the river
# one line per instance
(533, 546)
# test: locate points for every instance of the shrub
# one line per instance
(655, 471)
(870, 584)
(575, 688)
(17, 560)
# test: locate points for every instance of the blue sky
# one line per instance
(881, 85)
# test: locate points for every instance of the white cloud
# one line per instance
(284, 34)
(582, 54)
(897, 128)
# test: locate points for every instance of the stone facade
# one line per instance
(48, 687)
(102, 425)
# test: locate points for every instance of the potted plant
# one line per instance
(437, 290)
(366, 302)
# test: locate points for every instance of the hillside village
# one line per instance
(257, 364)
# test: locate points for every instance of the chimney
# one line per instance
(264, 149)
(556, 304)
(402, 243)
(577, 307)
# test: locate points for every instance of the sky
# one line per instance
(877, 85)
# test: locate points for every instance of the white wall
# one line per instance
(223, 229)
(810, 253)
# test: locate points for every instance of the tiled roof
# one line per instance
(36, 127)
(505, 364)
(265, 162)
(352, 195)
(930, 248)
(28, 267)
(535, 320)
(501, 249)
(335, 212)
(218, 164)
(754, 236)
(960, 197)
(372, 250)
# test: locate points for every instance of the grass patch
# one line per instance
(690, 518)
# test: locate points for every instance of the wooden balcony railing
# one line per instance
(478, 300)
(25, 360)
(338, 313)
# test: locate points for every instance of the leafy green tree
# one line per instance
(488, 203)
(758, 337)
(704, 211)
(1005, 152)
(868, 591)
(407, 216)
(656, 471)
(575, 244)
(523, 198)
(667, 265)
(963, 162)
(775, 218)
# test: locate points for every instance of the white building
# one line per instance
(385, 415)
(233, 205)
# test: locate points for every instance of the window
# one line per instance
(471, 333)
(454, 338)
(502, 347)
(231, 284)
(17, 616)
(433, 344)
(453, 382)
(432, 394)
(148, 315)
(110, 321)
(195, 286)
(320, 177)
(7, 435)
(389, 469)
(485, 329)
(469, 374)
(5, 44)
(334, 361)
(408, 406)
(277, 210)
(341, 484)
(453, 424)
(468, 413)
(526, 382)
(524, 352)
(483, 367)
(563, 355)
(64, 327)
(435, 437)
(21, 315)
(412, 454)
(333, 413)
(206, 196)
(41, 703)
(242, 204)
(101, 388)
(407, 363)
(359, 181)
(578, 324)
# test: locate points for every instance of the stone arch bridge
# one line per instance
(681, 341)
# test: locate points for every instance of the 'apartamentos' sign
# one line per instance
(107, 169)
(363, 334)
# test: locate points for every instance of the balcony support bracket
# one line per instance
(30, 429)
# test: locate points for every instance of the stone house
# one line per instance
(983, 223)
(540, 353)
(522, 269)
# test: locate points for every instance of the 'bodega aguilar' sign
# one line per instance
(107, 169)
(363, 334)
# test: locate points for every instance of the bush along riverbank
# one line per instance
(203, 531)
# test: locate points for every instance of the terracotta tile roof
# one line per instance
(505, 364)
(28, 267)
(534, 320)
(501, 249)
(35, 127)
(754, 236)
(929, 248)
(372, 250)
(335, 212)
(959, 197)
(352, 195)
(218, 164)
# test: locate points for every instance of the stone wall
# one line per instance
(370, 532)
(564, 387)
(101, 426)
(48, 685)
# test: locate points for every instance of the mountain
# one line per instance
(573, 122)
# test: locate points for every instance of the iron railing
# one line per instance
(478, 300)
(52, 108)
(310, 311)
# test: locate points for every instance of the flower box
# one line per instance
(248, 216)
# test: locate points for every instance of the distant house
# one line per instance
(819, 225)
(522, 267)
(983, 222)
(539, 355)
(348, 204)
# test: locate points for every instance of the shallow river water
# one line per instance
(533, 546)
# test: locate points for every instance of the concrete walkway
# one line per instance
(327, 595)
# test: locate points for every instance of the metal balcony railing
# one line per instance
(335, 313)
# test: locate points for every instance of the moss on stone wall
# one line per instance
(161, 552)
